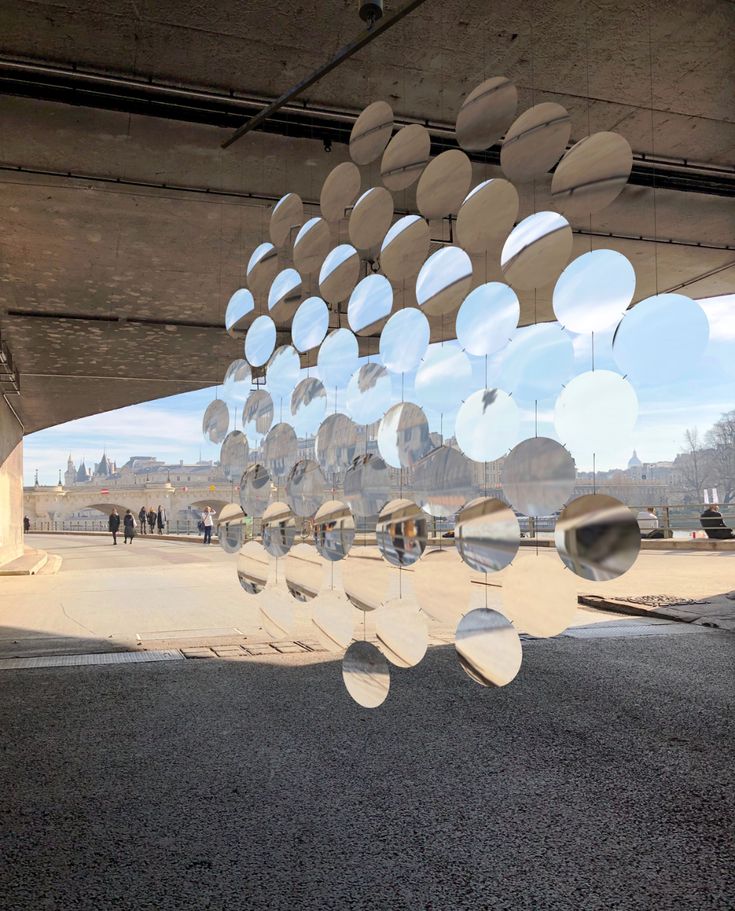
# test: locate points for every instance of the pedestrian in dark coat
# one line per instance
(142, 518)
(161, 519)
(151, 519)
(113, 523)
(129, 526)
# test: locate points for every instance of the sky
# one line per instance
(679, 384)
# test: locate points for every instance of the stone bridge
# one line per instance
(55, 504)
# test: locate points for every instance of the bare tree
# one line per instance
(720, 441)
(694, 467)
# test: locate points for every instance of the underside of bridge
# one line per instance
(126, 226)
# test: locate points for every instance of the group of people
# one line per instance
(711, 521)
(150, 518)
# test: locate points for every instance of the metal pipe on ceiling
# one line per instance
(347, 51)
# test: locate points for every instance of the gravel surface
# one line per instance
(600, 779)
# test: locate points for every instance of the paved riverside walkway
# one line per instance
(601, 778)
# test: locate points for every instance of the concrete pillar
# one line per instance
(11, 485)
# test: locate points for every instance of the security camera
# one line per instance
(370, 10)
(327, 145)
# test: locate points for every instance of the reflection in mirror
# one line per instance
(284, 295)
(308, 406)
(597, 537)
(371, 132)
(216, 421)
(334, 530)
(338, 274)
(596, 413)
(444, 280)
(444, 184)
(403, 435)
(303, 572)
(487, 215)
(488, 647)
(240, 304)
(592, 174)
(406, 157)
(231, 528)
(335, 444)
(286, 218)
(537, 362)
(405, 247)
(337, 358)
(401, 532)
(311, 246)
(260, 340)
(537, 250)
(237, 380)
(366, 674)
(257, 413)
(255, 490)
(262, 268)
(339, 191)
(402, 631)
(233, 457)
(370, 219)
(487, 425)
(369, 393)
(252, 567)
(487, 534)
(443, 482)
(443, 378)
(310, 324)
(305, 487)
(486, 114)
(279, 529)
(537, 570)
(367, 485)
(487, 318)
(404, 340)
(594, 291)
(280, 450)
(661, 339)
(538, 477)
(370, 304)
(277, 613)
(282, 372)
(333, 620)
(535, 142)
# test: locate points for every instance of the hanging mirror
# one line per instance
(280, 450)
(487, 534)
(488, 647)
(252, 567)
(535, 142)
(403, 435)
(335, 444)
(404, 340)
(486, 113)
(594, 291)
(286, 218)
(487, 215)
(238, 307)
(444, 280)
(401, 532)
(334, 530)
(444, 184)
(592, 174)
(369, 393)
(257, 413)
(231, 528)
(536, 251)
(366, 674)
(339, 191)
(402, 631)
(370, 304)
(597, 537)
(260, 341)
(487, 319)
(279, 529)
(487, 425)
(310, 324)
(405, 248)
(443, 481)
(233, 459)
(308, 406)
(262, 268)
(255, 490)
(370, 219)
(311, 246)
(371, 132)
(405, 157)
(305, 488)
(284, 295)
(368, 485)
(339, 273)
(538, 477)
(216, 421)
(337, 359)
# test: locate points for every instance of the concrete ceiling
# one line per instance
(125, 269)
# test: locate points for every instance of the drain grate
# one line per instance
(170, 654)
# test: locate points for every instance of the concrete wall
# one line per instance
(11, 485)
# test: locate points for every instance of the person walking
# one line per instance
(142, 519)
(208, 523)
(26, 524)
(151, 519)
(161, 519)
(129, 526)
(113, 524)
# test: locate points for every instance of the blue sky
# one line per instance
(533, 368)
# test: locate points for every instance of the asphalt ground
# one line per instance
(601, 778)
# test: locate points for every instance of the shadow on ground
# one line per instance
(601, 778)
